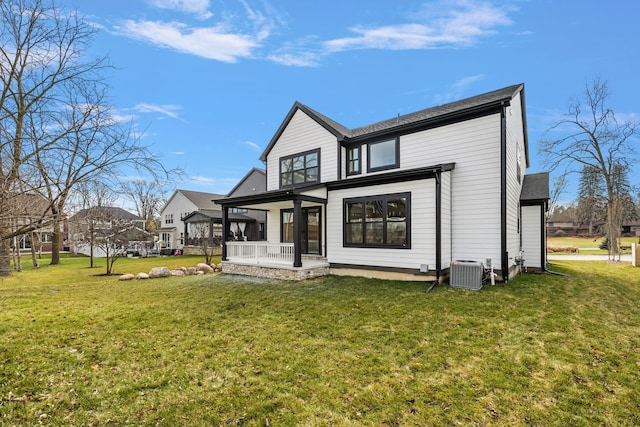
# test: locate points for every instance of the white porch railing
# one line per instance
(260, 252)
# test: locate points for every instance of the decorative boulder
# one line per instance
(217, 267)
(143, 275)
(177, 272)
(159, 272)
(205, 268)
(191, 271)
(127, 277)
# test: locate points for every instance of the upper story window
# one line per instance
(300, 168)
(353, 160)
(168, 218)
(383, 155)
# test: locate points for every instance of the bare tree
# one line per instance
(92, 200)
(148, 197)
(593, 137)
(206, 241)
(57, 128)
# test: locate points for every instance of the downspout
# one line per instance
(504, 256)
(438, 178)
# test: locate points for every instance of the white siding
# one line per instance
(474, 147)
(303, 134)
(273, 225)
(515, 149)
(423, 249)
(531, 236)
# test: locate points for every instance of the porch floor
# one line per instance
(312, 266)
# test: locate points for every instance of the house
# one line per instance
(28, 209)
(402, 198)
(244, 224)
(91, 229)
(181, 204)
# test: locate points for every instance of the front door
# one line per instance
(311, 229)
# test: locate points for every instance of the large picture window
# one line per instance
(300, 168)
(383, 155)
(378, 221)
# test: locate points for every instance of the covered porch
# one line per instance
(295, 247)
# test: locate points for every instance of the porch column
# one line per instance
(185, 235)
(225, 231)
(297, 233)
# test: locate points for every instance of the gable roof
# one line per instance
(200, 199)
(535, 187)
(106, 212)
(254, 171)
(452, 111)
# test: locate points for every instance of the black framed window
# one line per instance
(353, 160)
(383, 155)
(300, 168)
(378, 221)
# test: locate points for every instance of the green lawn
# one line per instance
(79, 349)
(588, 245)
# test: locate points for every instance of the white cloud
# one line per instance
(208, 42)
(199, 179)
(165, 109)
(177, 153)
(439, 24)
(252, 145)
(200, 8)
(458, 89)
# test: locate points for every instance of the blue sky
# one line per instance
(210, 81)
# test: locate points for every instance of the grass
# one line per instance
(588, 245)
(80, 349)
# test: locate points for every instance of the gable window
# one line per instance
(383, 155)
(168, 218)
(300, 168)
(353, 160)
(378, 221)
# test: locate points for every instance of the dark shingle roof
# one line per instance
(535, 187)
(110, 212)
(450, 110)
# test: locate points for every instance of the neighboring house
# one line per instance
(244, 224)
(181, 204)
(31, 208)
(401, 198)
(100, 224)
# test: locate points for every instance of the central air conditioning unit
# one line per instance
(466, 275)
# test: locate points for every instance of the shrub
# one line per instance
(560, 233)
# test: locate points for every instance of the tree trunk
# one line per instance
(55, 241)
(17, 259)
(5, 258)
(34, 257)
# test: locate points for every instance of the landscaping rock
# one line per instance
(143, 275)
(191, 271)
(159, 272)
(177, 272)
(205, 268)
(127, 277)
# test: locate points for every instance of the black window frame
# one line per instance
(350, 161)
(292, 172)
(394, 165)
(383, 199)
